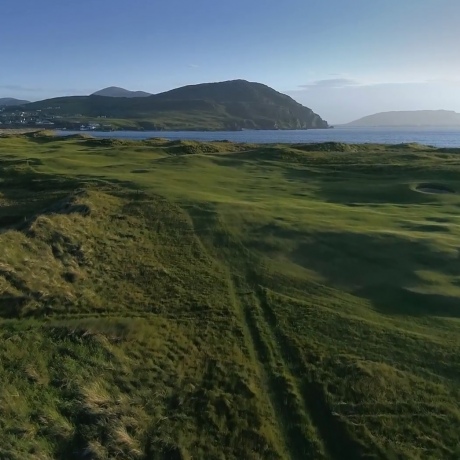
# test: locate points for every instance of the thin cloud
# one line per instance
(331, 83)
(20, 88)
(335, 83)
(194, 66)
(28, 89)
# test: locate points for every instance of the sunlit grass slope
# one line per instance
(181, 300)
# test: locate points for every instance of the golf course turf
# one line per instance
(183, 300)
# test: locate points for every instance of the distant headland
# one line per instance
(416, 118)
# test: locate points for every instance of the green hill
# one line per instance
(11, 101)
(177, 300)
(115, 91)
(231, 105)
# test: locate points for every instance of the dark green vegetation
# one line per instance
(179, 300)
(231, 105)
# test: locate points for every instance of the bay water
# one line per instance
(437, 137)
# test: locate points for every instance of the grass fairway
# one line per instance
(181, 300)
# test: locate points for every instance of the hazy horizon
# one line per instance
(344, 61)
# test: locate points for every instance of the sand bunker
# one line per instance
(434, 188)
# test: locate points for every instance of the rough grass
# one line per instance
(230, 301)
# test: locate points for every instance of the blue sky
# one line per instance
(344, 59)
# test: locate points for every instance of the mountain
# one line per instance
(255, 103)
(230, 105)
(409, 118)
(115, 91)
(10, 101)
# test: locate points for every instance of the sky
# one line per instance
(342, 58)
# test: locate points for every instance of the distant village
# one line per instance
(40, 118)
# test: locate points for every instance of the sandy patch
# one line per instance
(437, 189)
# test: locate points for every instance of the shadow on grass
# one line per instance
(429, 228)
(378, 268)
(400, 301)
(27, 192)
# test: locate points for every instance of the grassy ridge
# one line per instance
(187, 300)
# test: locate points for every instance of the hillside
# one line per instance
(175, 300)
(232, 105)
(10, 101)
(115, 91)
(254, 102)
(425, 118)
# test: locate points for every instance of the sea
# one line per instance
(436, 137)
